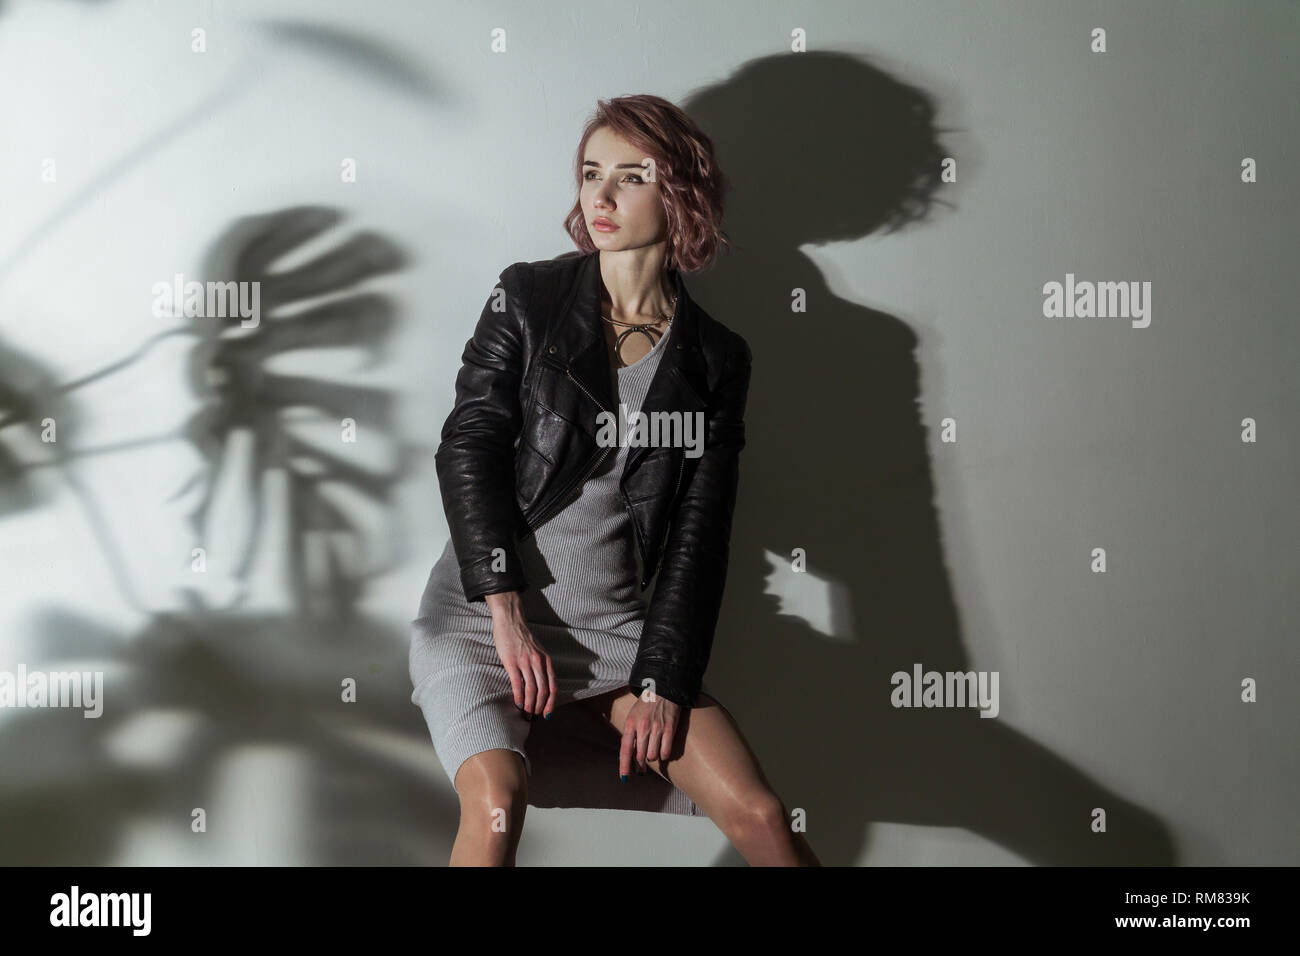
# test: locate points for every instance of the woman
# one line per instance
(534, 607)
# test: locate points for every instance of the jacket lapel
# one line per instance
(680, 383)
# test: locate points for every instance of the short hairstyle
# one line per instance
(691, 185)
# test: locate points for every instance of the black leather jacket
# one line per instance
(523, 435)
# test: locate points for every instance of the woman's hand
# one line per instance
(532, 676)
(648, 733)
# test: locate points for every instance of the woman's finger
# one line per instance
(550, 673)
(643, 747)
(516, 682)
(539, 682)
(627, 751)
(666, 740)
(530, 685)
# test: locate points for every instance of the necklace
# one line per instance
(645, 328)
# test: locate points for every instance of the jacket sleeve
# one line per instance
(677, 637)
(476, 455)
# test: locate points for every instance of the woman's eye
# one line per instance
(636, 176)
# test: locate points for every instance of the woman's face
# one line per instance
(616, 186)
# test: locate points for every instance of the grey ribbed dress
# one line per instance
(583, 606)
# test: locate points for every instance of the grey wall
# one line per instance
(948, 457)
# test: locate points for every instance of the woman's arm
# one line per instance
(476, 457)
(677, 637)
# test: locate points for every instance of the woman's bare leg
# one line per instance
(493, 789)
(713, 764)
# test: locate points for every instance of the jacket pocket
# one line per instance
(550, 441)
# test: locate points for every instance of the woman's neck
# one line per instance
(632, 287)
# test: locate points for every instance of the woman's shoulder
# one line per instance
(554, 277)
(545, 276)
(720, 339)
(567, 263)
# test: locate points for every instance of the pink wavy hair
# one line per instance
(692, 186)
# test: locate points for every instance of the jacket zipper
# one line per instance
(681, 468)
(659, 558)
(538, 520)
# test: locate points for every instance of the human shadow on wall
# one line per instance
(825, 147)
(245, 678)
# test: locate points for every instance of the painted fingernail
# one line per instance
(622, 778)
(548, 716)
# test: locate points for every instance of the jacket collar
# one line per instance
(680, 383)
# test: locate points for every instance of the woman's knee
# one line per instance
(756, 812)
(491, 780)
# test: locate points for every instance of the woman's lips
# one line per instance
(603, 225)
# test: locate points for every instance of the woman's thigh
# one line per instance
(711, 762)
